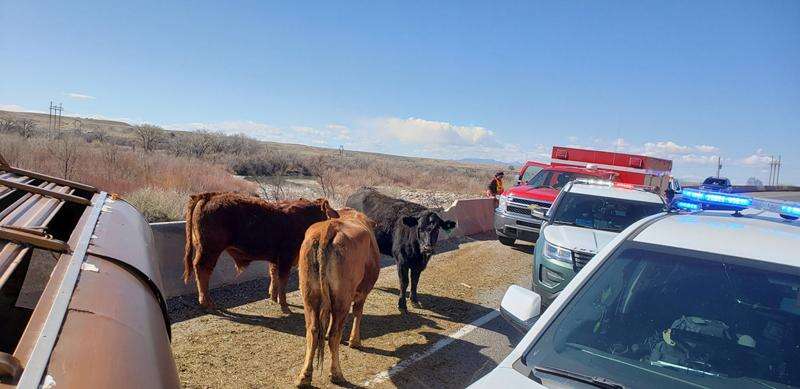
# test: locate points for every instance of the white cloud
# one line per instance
(756, 159)
(707, 149)
(340, 131)
(670, 149)
(620, 144)
(427, 132)
(17, 108)
(79, 96)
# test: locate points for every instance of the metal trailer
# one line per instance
(81, 301)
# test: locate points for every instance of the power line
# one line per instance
(54, 117)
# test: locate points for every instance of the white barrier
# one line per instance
(472, 216)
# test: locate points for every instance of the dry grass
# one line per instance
(157, 171)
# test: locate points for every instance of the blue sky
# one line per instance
(687, 80)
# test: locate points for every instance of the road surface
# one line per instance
(455, 339)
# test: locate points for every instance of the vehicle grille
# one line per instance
(580, 259)
(529, 202)
(521, 211)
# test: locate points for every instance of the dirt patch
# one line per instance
(255, 345)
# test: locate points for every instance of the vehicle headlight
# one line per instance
(554, 252)
(501, 202)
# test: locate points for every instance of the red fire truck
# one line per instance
(539, 184)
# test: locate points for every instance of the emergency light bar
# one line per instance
(611, 184)
(694, 200)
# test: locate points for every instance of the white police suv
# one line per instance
(698, 299)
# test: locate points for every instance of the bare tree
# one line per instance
(64, 148)
(7, 125)
(25, 127)
(149, 136)
(110, 159)
(323, 172)
(274, 187)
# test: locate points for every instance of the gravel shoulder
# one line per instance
(250, 343)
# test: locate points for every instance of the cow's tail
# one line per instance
(326, 297)
(188, 250)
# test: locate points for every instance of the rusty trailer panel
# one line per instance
(99, 320)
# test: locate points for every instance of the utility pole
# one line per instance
(54, 117)
(719, 165)
(778, 172)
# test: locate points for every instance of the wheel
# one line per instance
(506, 241)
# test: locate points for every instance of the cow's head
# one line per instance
(326, 208)
(427, 224)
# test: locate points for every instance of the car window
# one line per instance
(540, 179)
(651, 317)
(603, 213)
(529, 172)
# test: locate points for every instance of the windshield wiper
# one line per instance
(600, 382)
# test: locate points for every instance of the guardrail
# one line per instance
(472, 216)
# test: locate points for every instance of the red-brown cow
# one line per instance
(339, 264)
(249, 229)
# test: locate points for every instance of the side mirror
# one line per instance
(519, 180)
(521, 307)
(537, 211)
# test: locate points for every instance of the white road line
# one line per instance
(404, 364)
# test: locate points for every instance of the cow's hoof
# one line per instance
(402, 310)
(416, 304)
(303, 381)
(285, 309)
(338, 378)
(354, 343)
(207, 305)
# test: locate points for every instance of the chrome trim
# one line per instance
(43, 348)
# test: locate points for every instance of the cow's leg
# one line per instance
(402, 273)
(204, 262)
(339, 315)
(358, 311)
(311, 310)
(414, 281)
(283, 280)
(273, 281)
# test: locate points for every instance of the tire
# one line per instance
(506, 240)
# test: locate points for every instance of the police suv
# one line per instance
(586, 216)
(694, 298)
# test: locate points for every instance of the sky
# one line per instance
(685, 80)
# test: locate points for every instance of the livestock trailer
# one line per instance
(81, 302)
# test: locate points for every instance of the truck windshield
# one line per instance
(602, 213)
(716, 181)
(555, 179)
(651, 317)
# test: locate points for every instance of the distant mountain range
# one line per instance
(487, 161)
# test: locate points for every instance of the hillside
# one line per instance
(158, 174)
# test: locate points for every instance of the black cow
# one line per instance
(405, 230)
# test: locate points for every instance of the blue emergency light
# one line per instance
(717, 198)
(694, 200)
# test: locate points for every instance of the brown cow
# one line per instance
(249, 229)
(339, 264)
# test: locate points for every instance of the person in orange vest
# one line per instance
(496, 186)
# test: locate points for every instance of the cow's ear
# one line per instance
(410, 221)
(448, 225)
(329, 212)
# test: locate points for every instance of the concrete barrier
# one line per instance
(169, 242)
(472, 216)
